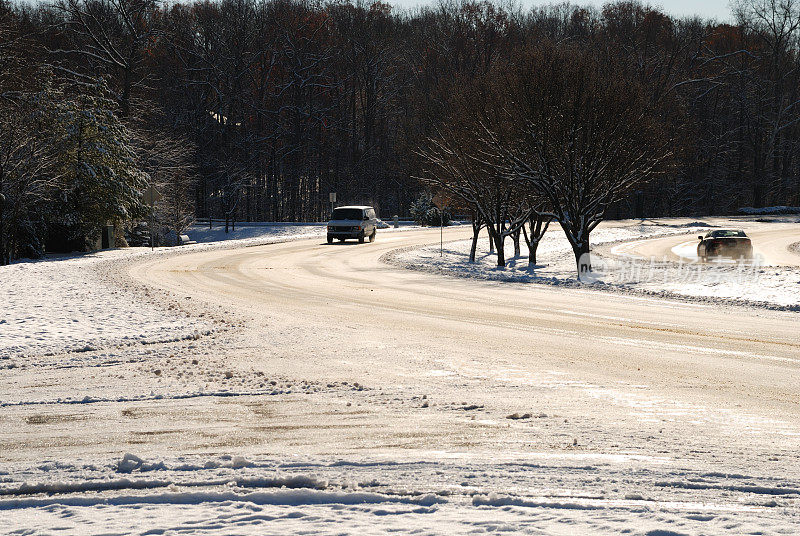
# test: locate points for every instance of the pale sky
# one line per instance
(710, 9)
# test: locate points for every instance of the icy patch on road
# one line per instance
(687, 250)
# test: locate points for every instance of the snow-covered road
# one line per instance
(346, 395)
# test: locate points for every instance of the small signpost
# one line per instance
(151, 196)
(332, 197)
(439, 201)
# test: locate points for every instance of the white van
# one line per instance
(352, 222)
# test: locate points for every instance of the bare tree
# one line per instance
(111, 37)
(534, 230)
(452, 164)
(581, 136)
(168, 159)
(770, 99)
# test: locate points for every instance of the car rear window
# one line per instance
(727, 233)
(347, 214)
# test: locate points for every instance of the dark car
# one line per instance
(725, 243)
(358, 222)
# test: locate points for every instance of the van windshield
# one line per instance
(347, 214)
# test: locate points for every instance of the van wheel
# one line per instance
(361, 238)
(372, 236)
(330, 239)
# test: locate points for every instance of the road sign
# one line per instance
(332, 195)
(441, 203)
(151, 196)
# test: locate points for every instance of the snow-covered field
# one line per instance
(130, 410)
(618, 269)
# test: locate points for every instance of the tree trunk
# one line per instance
(515, 238)
(476, 231)
(758, 200)
(532, 247)
(538, 226)
(497, 238)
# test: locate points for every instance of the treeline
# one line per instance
(258, 109)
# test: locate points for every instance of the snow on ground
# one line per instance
(616, 270)
(255, 233)
(74, 303)
(71, 304)
(770, 286)
(478, 494)
(642, 466)
(250, 232)
(554, 256)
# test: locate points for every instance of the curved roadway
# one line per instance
(338, 312)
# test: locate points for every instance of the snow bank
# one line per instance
(461, 493)
(502, 500)
(252, 232)
(556, 262)
(286, 497)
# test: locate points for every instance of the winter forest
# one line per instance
(255, 110)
